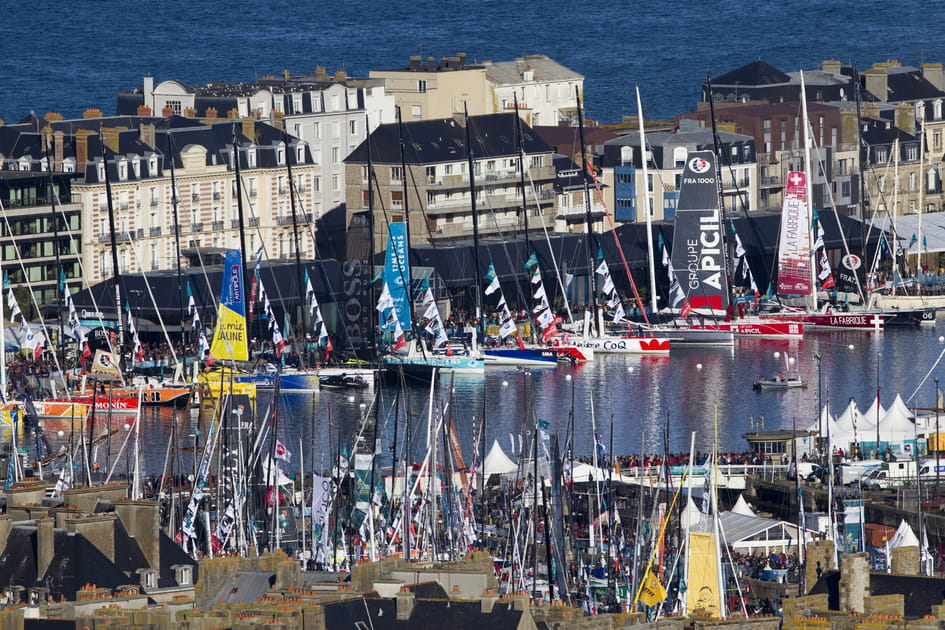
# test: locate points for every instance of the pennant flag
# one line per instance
(619, 314)
(191, 303)
(913, 240)
(925, 244)
(536, 276)
(651, 591)
(138, 348)
(532, 261)
(385, 301)
(493, 279)
(13, 306)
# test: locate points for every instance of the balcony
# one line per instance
(217, 226)
(284, 220)
(217, 196)
(281, 190)
(174, 229)
(579, 211)
(254, 222)
(195, 198)
(155, 231)
(234, 223)
(196, 227)
(154, 202)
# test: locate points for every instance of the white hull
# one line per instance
(657, 346)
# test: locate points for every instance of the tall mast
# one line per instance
(371, 335)
(810, 188)
(726, 254)
(239, 213)
(646, 205)
(53, 198)
(521, 173)
(403, 170)
(116, 274)
(174, 201)
(475, 215)
(295, 230)
(587, 213)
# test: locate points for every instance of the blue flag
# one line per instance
(532, 261)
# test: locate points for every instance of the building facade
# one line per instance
(332, 115)
(434, 194)
(546, 90)
(144, 155)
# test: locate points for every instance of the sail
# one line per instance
(397, 274)
(229, 338)
(698, 257)
(705, 592)
(794, 256)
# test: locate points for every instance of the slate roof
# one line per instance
(566, 139)
(246, 585)
(444, 140)
(545, 69)
(752, 74)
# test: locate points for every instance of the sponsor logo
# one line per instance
(236, 286)
(698, 165)
(851, 262)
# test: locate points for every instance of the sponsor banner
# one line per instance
(794, 259)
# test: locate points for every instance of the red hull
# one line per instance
(843, 321)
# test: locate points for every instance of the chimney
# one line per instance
(92, 112)
(416, 63)
(58, 150)
(285, 75)
(81, 149)
(46, 134)
(278, 119)
(110, 138)
(933, 73)
(211, 112)
(249, 128)
(462, 59)
(148, 90)
(431, 63)
(405, 603)
(876, 83)
(98, 529)
(831, 66)
(190, 112)
(321, 74)
(233, 114)
(848, 126)
(45, 545)
(52, 116)
(904, 117)
(140, 518)
(144, 110)
(167, 111)
(148, 135)
(341, 76)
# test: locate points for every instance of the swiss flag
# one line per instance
(400, 344)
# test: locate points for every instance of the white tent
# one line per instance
(900, 407)
(870, 417)
(848, 426)
(741, 507)
(497, 462)
(904, 537)
(827, 425)
(691, 516)
(586, 473)
(897, 427)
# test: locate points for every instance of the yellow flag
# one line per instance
(104, 363)
(652, 592)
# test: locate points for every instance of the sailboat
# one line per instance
(414, 356)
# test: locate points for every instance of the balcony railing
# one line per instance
(217, 196)
(217, 225)
(253, 221)
(195, 198)
(155, 231)
(234, 223)
(196, 227)
(154, 202)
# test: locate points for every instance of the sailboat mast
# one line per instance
(53, 197)
(475, 215)
(521, 172)
(239, 212)
(371, 335)
(174, 201)
(726, 253)
(403, 169)
(116, 275)
(295, 231)
(810, 188)
(921, 243)
(587, 213)
(646, 205)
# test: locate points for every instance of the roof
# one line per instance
(246, 585)
(545, 70)
(444, 140)
(566, 140)
(907, 226)
(697, 138)
(755, 73)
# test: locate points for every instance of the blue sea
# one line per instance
(69, 57)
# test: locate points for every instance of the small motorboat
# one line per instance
(342, 381)
(779, 382)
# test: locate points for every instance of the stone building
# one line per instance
(142, 154)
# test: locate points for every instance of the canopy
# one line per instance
(691, 515)
(750, 534)
(870, 416)
(898, 424)
(848, 425)
(497, 462)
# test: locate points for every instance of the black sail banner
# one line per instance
(698, 256)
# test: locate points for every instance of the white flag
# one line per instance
(385, 301)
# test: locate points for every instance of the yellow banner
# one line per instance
(652, 592)
(704, 592)
(104, 363)
(229, 338)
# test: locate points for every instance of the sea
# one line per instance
(66, 58)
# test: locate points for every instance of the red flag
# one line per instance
(37, 351)
(86, 351)
(272, 498)
(548, 333)
(400, 344)
(686, 309)
(449, 351)
(252, 297)
(328, 348)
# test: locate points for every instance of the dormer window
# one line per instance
(101, 171)
(937, 109)
(24, 164)
(44, 165)
(68, 165)
(122, 170)
(251, 157)
(152, 166)
(300, 154)
(136, 168)
(280, 156)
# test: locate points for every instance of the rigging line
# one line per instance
(157, 311)
(33, 299)
(927, 375)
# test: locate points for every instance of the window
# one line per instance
(280, 155)
(912, 152)
(431, 198)
(317, 130)
(335, 183)
(335, 155)
(679, 156)
(431, 174)
(174, 105)
(416, 112)
(937, 140)
(251, 157)
(396, 174)
(448, 169)
(535, 162)
(316, 183)
(422, 86)
(353, 127)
